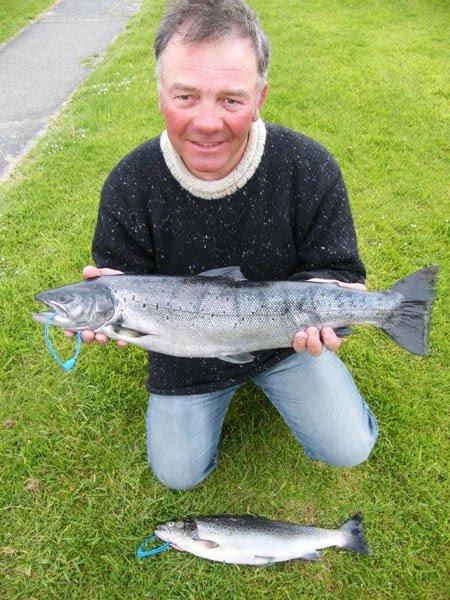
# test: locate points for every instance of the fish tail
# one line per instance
(410, 323)
(353, 534)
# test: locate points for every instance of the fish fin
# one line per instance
(409, 324)
(234, 273)
(206, 543)
(343, 332)
(142, 340)
(263, 560)
(240, 359)
(131, 333)
(354, 538)
(117, 332)
(314, 555)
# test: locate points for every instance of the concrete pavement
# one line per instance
(43, 64)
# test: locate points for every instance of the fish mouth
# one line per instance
(162, 532)
(53, 304)
(57, 313)
(55, 318)
(56, 307)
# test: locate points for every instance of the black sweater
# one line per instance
(291, 219)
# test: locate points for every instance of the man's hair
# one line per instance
(211, 21)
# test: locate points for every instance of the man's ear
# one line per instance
(261, 100)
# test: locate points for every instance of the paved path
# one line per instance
(41, 67)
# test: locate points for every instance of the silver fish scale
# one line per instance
(206, 316)
(248, 525)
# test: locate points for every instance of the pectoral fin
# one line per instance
(263, 560)
(123, 332)
(314, 555)
(143, 340)
(207, 544)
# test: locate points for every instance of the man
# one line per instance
(220, 187)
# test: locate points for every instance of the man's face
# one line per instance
(209, 96)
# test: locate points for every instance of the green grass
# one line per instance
(367, 79)
(15, 14)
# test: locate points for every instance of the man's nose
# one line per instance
(208, 117)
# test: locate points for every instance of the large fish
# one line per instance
(248, 540)
(220, 314)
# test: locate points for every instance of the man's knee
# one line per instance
(346, 454)
(179, 479)
(352, 457)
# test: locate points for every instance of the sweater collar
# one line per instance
(209, 190)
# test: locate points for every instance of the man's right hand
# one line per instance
(87, 335)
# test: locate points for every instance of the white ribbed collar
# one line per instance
(209, 190)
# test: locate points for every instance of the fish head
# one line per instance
(179, 533)
(85, 305)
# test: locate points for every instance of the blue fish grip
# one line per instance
(68, 365)
(141, 552)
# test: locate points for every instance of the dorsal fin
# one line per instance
(234, 273)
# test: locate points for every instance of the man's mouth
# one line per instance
(207, 144)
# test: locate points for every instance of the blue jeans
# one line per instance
(316, 396)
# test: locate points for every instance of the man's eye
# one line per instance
(184, 97)
(232, 101)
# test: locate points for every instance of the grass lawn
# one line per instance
(15, 14)
(369, 81)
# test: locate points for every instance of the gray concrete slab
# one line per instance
(42, 66)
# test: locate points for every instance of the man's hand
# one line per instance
(89, 336)
(311, 339)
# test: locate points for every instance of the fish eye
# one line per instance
(64, 298)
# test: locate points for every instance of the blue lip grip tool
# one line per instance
(141, 552)
(68, 365)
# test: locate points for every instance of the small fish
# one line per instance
(249, 540)
(220, 314)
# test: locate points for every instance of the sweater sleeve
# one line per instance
(327, 248)
(123, 238)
